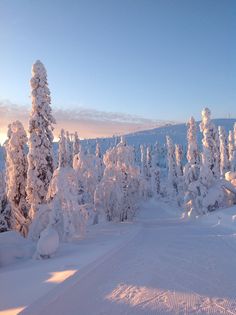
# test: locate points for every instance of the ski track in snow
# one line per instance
(168, 267)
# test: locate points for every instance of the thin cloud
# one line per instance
(89, 123)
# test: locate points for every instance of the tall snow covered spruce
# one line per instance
(156, 184)
(192, 196)
(40, 156)
(192, 151)
(224, 152)
(16, 173)
(172, 175)
(76, 144)
(69, 149)
(149, 170)
(210, 143)
(5, 214)
(99, 165)
(210, 187)
(232, 151)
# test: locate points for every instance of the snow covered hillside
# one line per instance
(159, 264)
(177, 132)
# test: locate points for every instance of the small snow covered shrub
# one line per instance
(48, 243)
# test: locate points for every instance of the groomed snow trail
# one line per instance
(169, 267)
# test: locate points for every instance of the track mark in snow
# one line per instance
(169, 301)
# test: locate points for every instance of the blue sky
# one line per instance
(159, 59)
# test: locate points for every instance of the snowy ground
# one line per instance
(157, 265)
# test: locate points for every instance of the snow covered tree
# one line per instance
(211, 192)
(16, 172)
(234, 132)
(40, 156)
(76, 144)
(224, 153)
(143, 161)
(192, 197)
(149, 170)
(99, 163)
(179, 158)
(179, 173)
(4, 207)
(232, 151)
(192, 151)
(88, 170)
(156, 186)
(172, 175)
(63, 211)
(210, 143)
(62, 150)
(69, 149)
(67, 216)
(119, 190)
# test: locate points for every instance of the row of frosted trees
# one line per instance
(206, 182)
(84, 187)
(81, 187)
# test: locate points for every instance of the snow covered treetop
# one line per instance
(17, 134)
(206, 118)
(38, 69)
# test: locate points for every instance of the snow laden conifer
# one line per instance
(62, 150)
(5, 214)
(16, 173)
(172, 188)
(99, 163)
(87, 167)
(69, 149)
(40, 156)
(224, 153)
(156, 185)
(210, 143)
(192, 151)
(143, 161)
(210, 187)
(179, 159)
(232, 151)
(179, 172)
(117, 194)
(76, 144)
(67, 216)
(149, 170)
(192, 196)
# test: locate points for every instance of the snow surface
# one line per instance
(158, 264)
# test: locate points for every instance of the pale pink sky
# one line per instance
(88, 123)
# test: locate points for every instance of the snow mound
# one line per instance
(13, 247)
(230, 176)
(48, 243)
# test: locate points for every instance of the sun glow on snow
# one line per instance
(12, 311)
(168, 300)
(60, 276)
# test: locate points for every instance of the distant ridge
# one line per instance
(177, 132)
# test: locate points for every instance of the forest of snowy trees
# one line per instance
(43, 197)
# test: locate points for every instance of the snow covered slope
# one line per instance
(176, 132)
(164, 265)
